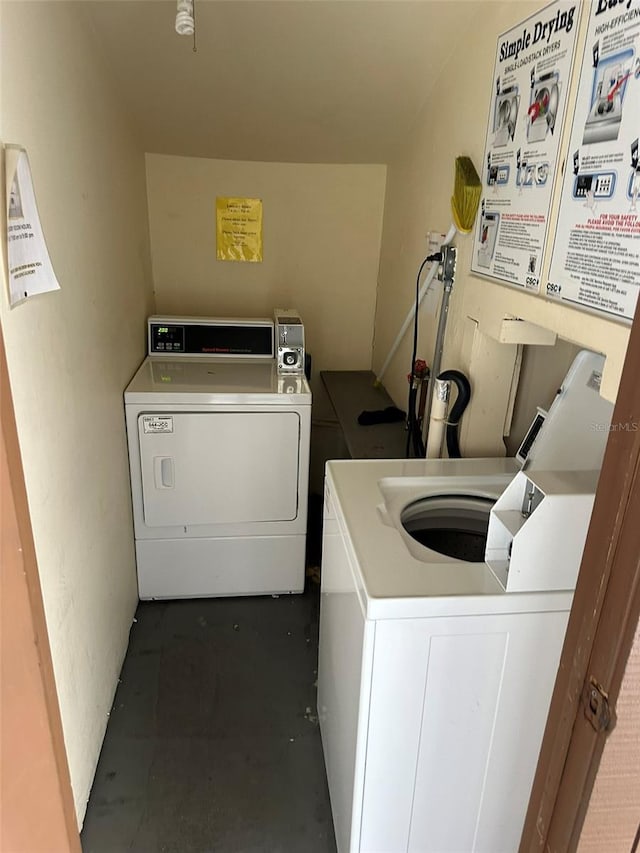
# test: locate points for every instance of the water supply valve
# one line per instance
(447, 270)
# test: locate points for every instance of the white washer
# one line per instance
(219, 459)
(435, 671)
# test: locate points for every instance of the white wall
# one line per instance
(419, 188)
(322, 230)
(72, 352)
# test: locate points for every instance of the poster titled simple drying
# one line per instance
(531, 78)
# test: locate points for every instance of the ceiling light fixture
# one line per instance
(186, 19)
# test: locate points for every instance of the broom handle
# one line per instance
(423, 290)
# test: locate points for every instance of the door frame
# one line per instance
(38, 812)
(600, 633)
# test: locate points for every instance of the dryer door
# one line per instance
(219, 467)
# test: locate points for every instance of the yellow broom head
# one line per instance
(466, 195)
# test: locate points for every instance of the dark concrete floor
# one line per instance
(213, 742)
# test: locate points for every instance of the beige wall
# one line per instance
(543, 369)
(322, 227)
(71, 353)
(419, 188)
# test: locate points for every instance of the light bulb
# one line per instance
(185, 24)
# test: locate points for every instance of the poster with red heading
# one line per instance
(596, 256)
(531, 77)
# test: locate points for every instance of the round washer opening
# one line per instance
(453, 525)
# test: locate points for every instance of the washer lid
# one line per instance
(391, 582)
(201, 381)
(574, 434)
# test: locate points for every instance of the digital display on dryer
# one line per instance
(166, 339)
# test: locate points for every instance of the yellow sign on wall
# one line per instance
(239, 229)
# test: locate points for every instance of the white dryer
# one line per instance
(219, 458)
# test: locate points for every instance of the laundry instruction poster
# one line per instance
(596, 254)
(239, 229)
(29, 266)
(531, 79)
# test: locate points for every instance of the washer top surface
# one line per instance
(391, 581)
(202, 381)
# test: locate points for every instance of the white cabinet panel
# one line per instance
(456, 714)
(462, 694)
(219, 467)
(344, 673)
(529, 676)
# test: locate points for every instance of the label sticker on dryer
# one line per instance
(157, 423)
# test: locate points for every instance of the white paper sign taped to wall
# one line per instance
(29, 265)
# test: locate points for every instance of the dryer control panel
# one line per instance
(290, 340)
(210, 336)
(165, 339)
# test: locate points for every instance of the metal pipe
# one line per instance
(438, 419)
(439, 346)
(409, 318)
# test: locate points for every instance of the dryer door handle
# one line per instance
(163, 472)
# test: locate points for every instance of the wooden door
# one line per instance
(36, 804)
(599, 636)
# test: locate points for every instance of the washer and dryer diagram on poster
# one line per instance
(506, 115)
(489, 223)
(610, 78)
(544, 104)
(532, 68)
(603, 124)
(532, 169)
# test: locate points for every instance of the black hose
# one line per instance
(413, 427)
(414, 438)
(462, 401)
